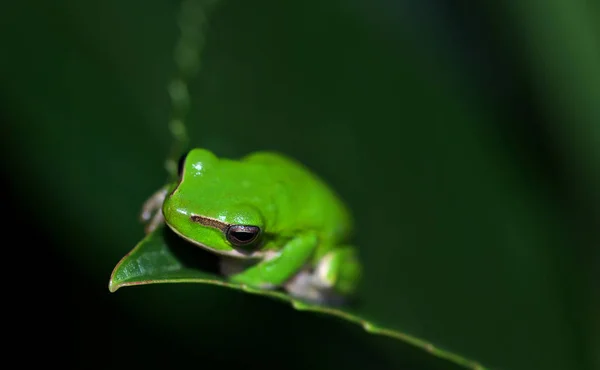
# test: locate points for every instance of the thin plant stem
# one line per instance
(192, 21)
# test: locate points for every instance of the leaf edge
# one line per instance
(298, 305)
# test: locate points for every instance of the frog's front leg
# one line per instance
(282, 265)
(152, 209)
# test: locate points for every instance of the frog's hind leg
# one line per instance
(339, 270)
(332, 281)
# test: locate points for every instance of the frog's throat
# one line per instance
(230, 253)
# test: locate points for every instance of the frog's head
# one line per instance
(196, 211)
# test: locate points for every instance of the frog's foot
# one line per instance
(303, 287)
(334, 278)
(151, 210)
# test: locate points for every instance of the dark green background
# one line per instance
(465, 138)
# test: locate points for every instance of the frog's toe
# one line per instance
(305, 286)
(151, 213)
(154, 223)
(338, 270)
(325, 274)
(153, 205)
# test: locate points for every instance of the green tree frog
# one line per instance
(274, 224)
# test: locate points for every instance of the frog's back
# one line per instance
(303, 200)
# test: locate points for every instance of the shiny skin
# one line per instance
(304, 226)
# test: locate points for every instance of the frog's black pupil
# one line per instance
(242, 235)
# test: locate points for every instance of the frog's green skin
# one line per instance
(304, 227)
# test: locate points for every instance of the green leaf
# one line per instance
(162, 257)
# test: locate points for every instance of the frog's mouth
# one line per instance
(234, 252)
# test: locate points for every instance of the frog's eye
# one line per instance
(180, 163)
(242, 235)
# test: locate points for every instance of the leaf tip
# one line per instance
(112, 286)
(113, 283)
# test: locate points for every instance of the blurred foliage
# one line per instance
(464, 137)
